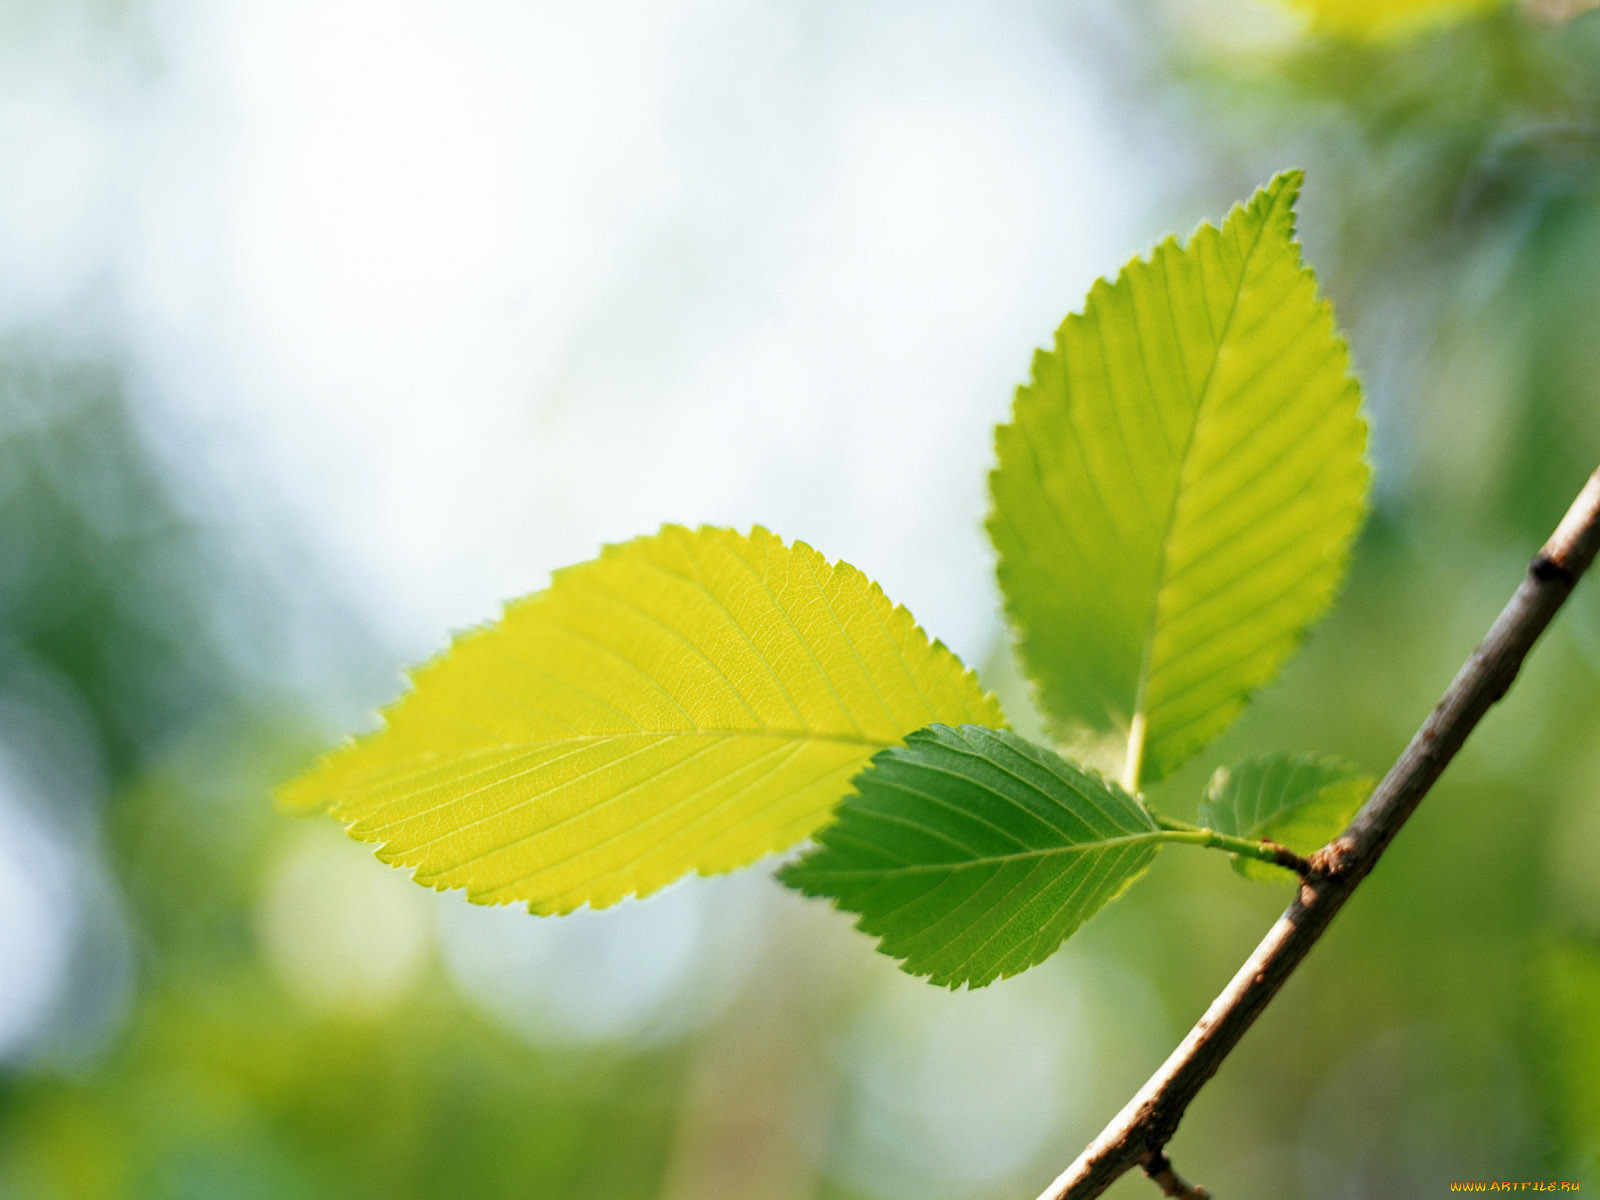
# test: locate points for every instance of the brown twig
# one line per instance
(1140, 1132)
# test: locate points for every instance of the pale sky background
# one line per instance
(465, 290)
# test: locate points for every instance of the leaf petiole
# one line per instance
(1184, 833)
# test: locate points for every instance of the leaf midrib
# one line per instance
(1136, 730)
(1153, 835)
(793, 735)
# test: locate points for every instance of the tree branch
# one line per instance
(1140, 1132)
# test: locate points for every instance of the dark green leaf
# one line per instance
(973, 853)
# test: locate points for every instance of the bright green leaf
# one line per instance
(685, 702)
(1292, 799)
(973, 853)
(1179, 487)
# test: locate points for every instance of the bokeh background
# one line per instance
(326, 325)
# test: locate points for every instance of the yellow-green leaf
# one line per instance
(685, 702)
(1179, 486)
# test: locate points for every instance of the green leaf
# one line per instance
(1179, 487)
(1292, 799)
(973, 853)
(686, 702)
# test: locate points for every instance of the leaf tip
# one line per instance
(1273, 203)
(1287, 183)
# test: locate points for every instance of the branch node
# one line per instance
(1546, 569)
(1332, 860)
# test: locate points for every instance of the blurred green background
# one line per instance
(324, 327)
